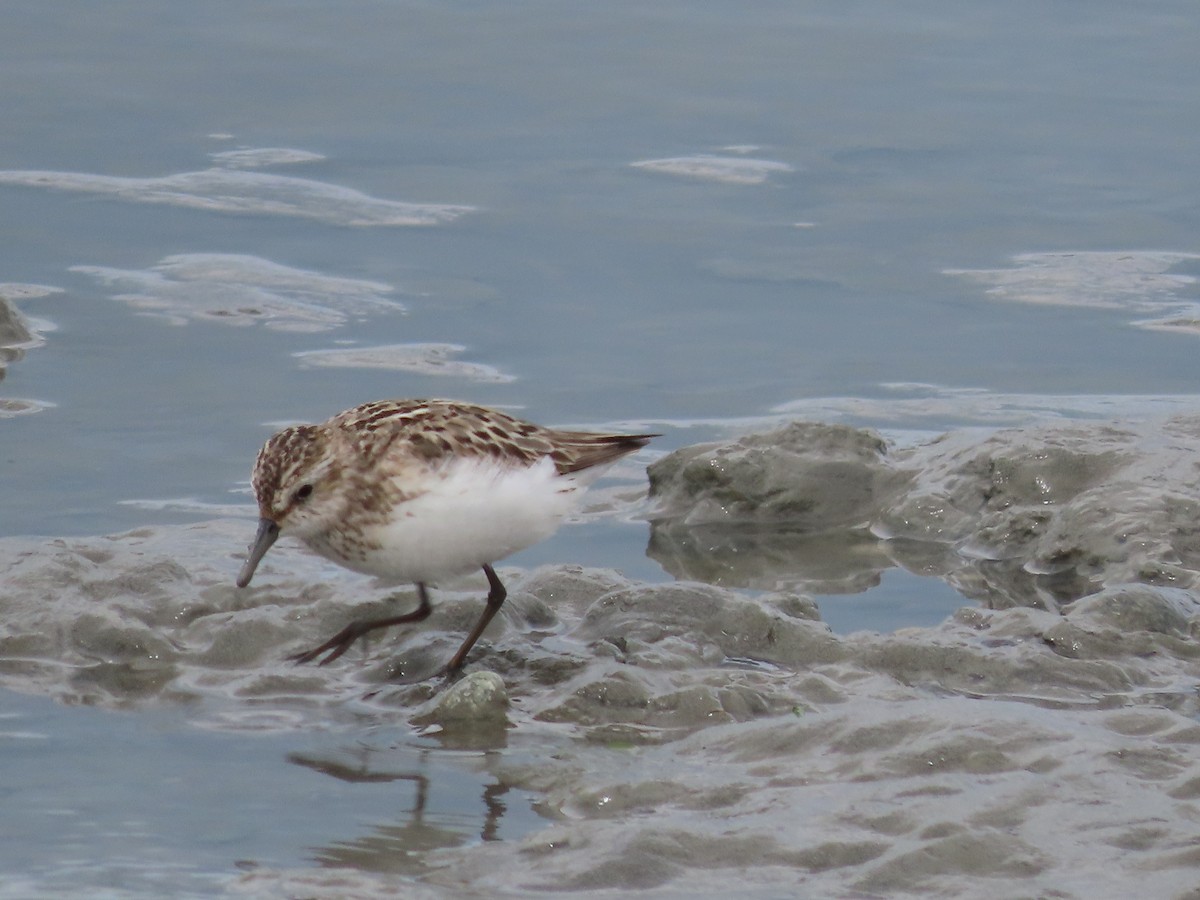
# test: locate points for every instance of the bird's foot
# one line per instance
(335, 646)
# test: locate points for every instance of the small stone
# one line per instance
(479, 697)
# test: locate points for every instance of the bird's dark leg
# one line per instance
(344, 639)
(495, 599)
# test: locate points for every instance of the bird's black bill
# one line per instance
(268, 531)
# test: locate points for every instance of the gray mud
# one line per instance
(694, 739)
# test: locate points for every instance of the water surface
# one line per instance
(219, 217)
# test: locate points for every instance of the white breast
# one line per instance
(475, 511)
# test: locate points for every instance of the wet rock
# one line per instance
(1038, 516)
(681, 624)
(554, 591)
(17, 334)
(1127, 620)
(813, 477)
(1139, 607)
(13, 330)
(478, 698)
(681, 735)
(97, 637)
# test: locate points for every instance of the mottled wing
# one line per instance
(436, 429)
(433, 430)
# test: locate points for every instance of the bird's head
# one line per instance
(296, 478)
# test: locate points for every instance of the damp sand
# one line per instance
(713, 734)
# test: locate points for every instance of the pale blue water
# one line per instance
(920, 137)
(148, 803)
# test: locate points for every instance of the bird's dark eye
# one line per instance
(303, 492)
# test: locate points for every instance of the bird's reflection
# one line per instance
(403, 847)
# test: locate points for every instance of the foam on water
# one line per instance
(229, 188)
(238, 289)
(710, 167)
(1139, 281)
(421, 358)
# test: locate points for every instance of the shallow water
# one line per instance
(221, 217)
(163, 807)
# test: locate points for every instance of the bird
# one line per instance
(418, 491)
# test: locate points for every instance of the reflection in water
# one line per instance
(770, 557)
(403, 848)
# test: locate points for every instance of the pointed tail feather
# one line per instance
(579, 450)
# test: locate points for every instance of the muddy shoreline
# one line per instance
(689, 736)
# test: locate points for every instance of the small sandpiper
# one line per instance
(420, 490)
